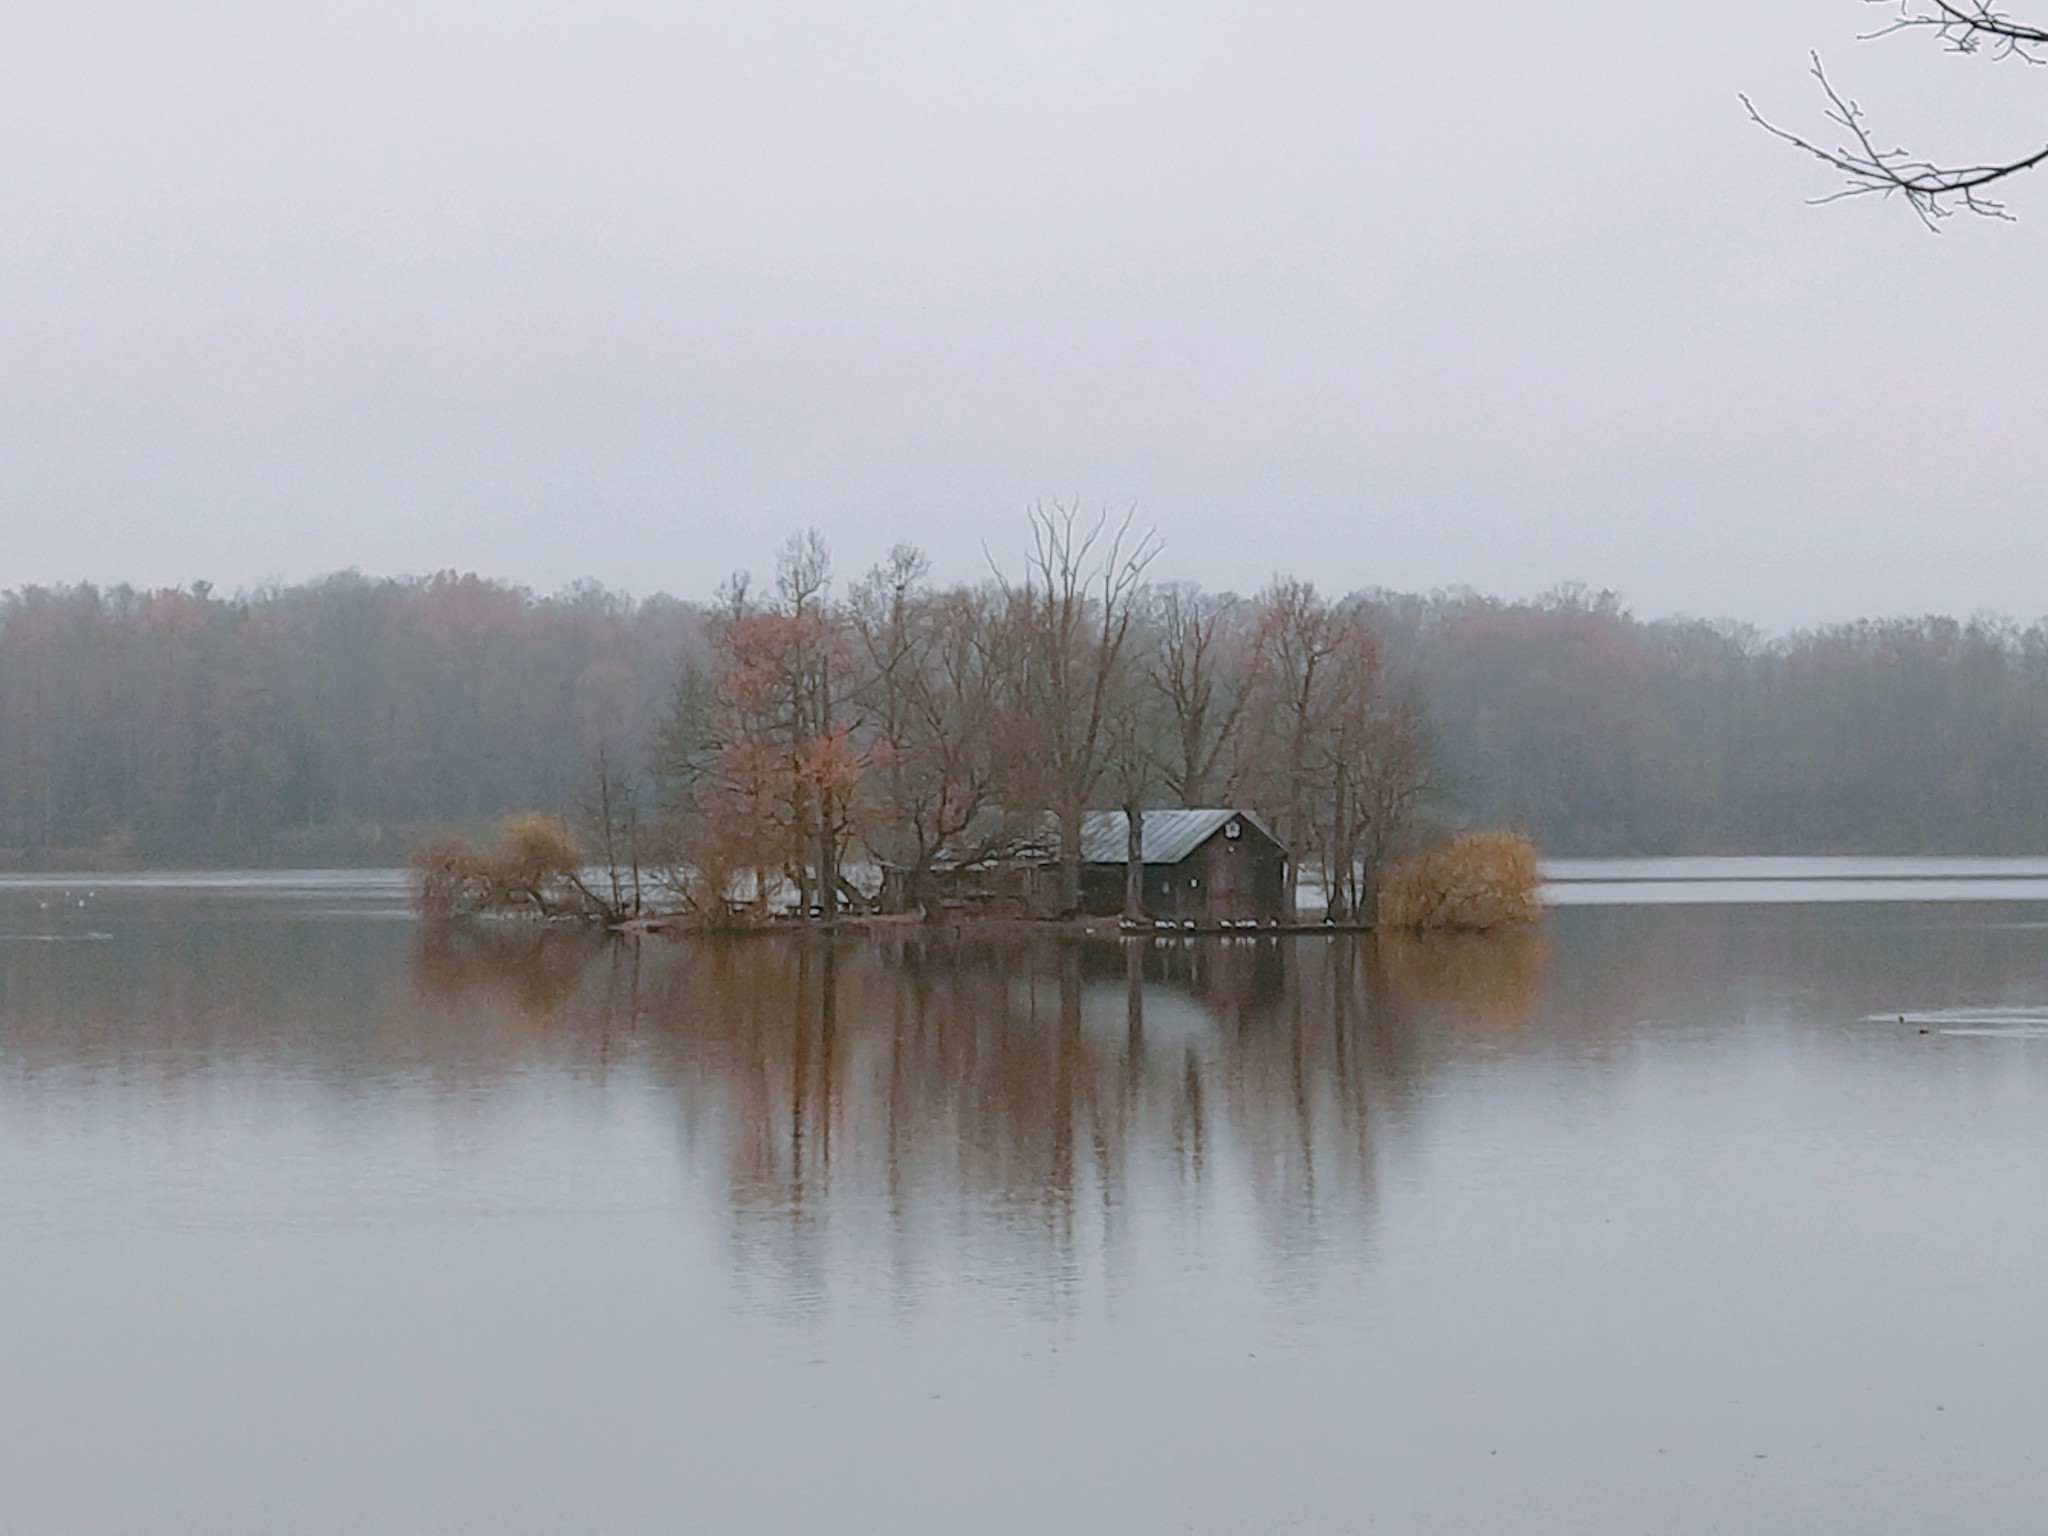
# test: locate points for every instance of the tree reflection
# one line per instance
(526, 971)
(967, 1098)
(1488, 981)
(928, 1104)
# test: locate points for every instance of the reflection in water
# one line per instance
(1488, 980)
(894, 1085)
(1693, 1219)
(518, 972)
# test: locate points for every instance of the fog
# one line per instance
(628, 290)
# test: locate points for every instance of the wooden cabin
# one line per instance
(1211, 867)
(997, 866)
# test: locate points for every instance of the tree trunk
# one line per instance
(1070, 861)
(1336, 908)
(1134, 862)
(828, 864)
(1134, 1011)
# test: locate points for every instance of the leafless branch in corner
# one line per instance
(1932, 191)
(1967, 26)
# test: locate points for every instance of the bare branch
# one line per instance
(1966, 26)
(1932, 191)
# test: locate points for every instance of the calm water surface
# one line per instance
(1694, 1214)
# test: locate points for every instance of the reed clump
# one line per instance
(1474, 881)
(535, 869)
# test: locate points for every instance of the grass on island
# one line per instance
(534, 867)
(1476, 880)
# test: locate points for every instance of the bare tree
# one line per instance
(935, 673)
(686, 744)
(1131, 775)
(611, 817)
(1072, 618)
(1337, 762)
(1384, 775)
(1932, 189)
(1202, 668)
(826, 773)
(1300, 638)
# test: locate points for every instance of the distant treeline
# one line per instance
(329, 720)
(1599, 732)
(338, 719)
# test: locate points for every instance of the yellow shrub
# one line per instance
(534, 859)
(534, 867)
(450, 876)
(1476, 880)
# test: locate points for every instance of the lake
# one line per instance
(1720, 1204)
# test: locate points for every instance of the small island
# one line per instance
(1072, 744)
(1201, 870)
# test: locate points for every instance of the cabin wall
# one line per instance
(1173, 890)
(1226, 880)
(1243, 880)
(1102, 889)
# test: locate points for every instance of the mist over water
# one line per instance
(1678, 1217)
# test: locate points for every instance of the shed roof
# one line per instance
(1166, 837)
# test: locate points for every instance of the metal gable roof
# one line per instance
(1166, 837)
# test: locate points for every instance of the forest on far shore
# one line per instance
(338, 720)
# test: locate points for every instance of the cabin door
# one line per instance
(1230, 882)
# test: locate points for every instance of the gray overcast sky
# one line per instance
(1362, 292)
